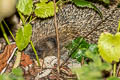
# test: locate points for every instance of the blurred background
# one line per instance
(7, 8)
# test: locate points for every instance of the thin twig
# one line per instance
(99, 23)
(43, 60)
(57, 36)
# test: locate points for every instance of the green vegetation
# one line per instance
(108, 48)
(23, 36)
(108, 44)
(16, 74)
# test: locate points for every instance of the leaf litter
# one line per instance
(30, 68)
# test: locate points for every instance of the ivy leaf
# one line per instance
(78, 54)
(78, 48)
(23, 36)
(25, 6)
(83, 3)
(75, 43)
(44, 10)
(109, 47)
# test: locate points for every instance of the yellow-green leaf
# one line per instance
(43, 0)
(109, 47)
(44, 10)
(23, 36)
(25, 6)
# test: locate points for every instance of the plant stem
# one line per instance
(57, 36)
(32, 19)
(9, 29)
(114, 69)
(26, 19)
(37, 58)
(4, 33)
(21, 17)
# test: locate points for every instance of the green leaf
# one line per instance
(82, 72)
(92, 51)
(78, 42)
(77, 48)
(23, 36)
(1, 77)
(83, 3)
(106, 1)
(16, 74)
(5, 77)
(44, 10)
(93, 48)
(93, 56)
(17, 71)
(78, 54)
(93, 70)
(109, 47)
(113, 78)
(25, 6)
(43, 0)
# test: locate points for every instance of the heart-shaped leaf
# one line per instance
(109, 47)
(23, 36)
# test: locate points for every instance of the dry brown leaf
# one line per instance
(25, 60)
(8, 51)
